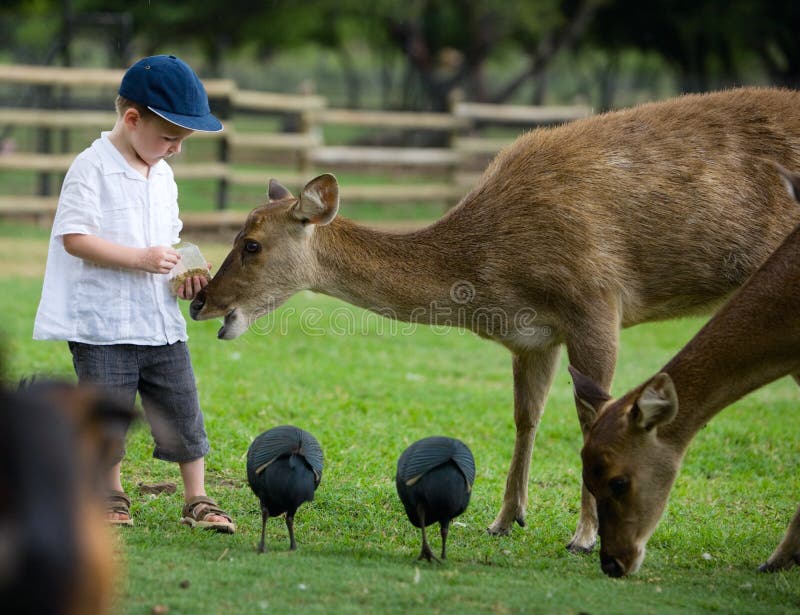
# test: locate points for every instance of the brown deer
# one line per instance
(614, 220)
(634, 449)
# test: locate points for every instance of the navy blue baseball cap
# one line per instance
(169, 88)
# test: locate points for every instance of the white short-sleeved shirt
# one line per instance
(103, 195)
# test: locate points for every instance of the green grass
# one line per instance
(368, 394)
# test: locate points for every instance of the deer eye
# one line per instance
(619, 486)
(252, 246)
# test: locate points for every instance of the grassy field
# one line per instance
(367, 387)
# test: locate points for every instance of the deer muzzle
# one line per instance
(197, 305)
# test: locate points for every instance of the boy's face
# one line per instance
(154, 138)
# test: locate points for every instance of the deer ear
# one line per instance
(590, 396)
(657, 403)
(277, 192)
(319, 201)
(790, 180)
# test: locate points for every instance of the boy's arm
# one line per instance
(156, 259)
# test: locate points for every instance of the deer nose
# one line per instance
(197, 304)
(611, 566)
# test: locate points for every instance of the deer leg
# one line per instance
(787, 554)
(533, 374)
(592, 349)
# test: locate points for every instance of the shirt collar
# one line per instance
(114, 162)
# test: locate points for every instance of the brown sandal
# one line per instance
(118, 503)
(197, 511)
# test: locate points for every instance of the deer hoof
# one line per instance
(498, 530)
(575, 547)
(775, 566)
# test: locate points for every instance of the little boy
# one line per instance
(105, 290)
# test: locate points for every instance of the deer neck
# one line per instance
(753, 340)
(406, 276)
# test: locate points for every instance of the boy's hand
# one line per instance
(158, 259)
(191, 286)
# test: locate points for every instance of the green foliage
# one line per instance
(367, 387)
(28, 24)
(414, 55)
(712, 45)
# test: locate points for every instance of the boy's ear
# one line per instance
(131, 117)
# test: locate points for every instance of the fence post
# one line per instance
(44, 137)
(308, 126)
(454, 99)
(224, 111)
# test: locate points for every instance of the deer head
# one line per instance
(271, 257)
(627, 466)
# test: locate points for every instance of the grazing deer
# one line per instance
(614, 220)
(634, 449)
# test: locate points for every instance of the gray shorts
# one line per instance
(164, 378)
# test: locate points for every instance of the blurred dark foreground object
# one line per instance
(57, 442)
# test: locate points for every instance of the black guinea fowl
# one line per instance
(434, 481)
(284, 468)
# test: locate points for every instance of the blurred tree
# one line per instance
(711, 42)
(27, 28)
(774, 37)
(220, 28)
(542, 34)
(446, 43)
(213, 26)
(430, 48)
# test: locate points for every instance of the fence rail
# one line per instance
(461, 150)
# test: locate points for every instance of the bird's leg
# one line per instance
(290, 527)
(264, 517)
(426, 552)
(445, 527)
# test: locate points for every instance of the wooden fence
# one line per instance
(447, 169)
